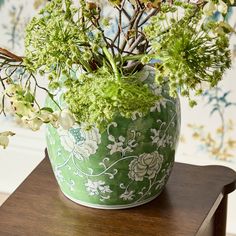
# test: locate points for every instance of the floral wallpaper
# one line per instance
(208, 130)
(14, 18)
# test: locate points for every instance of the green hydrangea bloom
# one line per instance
(97, 98)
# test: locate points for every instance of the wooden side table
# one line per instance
(194, 202)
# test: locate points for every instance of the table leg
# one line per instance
(220, 218)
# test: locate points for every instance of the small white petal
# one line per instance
(33, 124)
(222, 7)
(4, 140)
(66, 119)
(45, 116)
(209, 8)
(54, 119)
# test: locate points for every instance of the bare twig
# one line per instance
(132, 22)
(46, 90)
(12, 56)
(154, 12)
(136, 42)
(96, 23)
(120, 24)
(126, 13)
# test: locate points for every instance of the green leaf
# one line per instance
(47, 109)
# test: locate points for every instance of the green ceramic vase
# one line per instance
(126, 165)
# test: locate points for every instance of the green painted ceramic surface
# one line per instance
(126, 165)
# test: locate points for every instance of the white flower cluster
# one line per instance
(22, 105)
(97, 187)
(33, 117)
(34, 120)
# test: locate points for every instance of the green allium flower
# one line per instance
(191, 51)
(55, 41)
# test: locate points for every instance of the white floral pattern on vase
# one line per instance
(127, 195)
(125, 165)
(121, 144)
(97, 188)
(146, 165)
(83, 143)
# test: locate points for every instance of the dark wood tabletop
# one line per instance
(194, 202)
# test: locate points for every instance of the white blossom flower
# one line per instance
(45, 116)
(4, 138)
(33, 123)
(66, 119)
(35, 119)
(12, 89)
(209, 8)
(54, 119)
(20, 107)
(49, 117)
(222, 7)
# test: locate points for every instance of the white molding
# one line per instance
(3, 198)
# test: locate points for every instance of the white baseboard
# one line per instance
(3, 198)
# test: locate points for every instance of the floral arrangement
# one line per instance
(71, 45)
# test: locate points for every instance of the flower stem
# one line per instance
(137, 57)
(112, 62)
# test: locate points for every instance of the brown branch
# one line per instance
(140, 5)
(136, 23)
(119, 29)
(97, 25)
(153, 13)
(10, 55)
(132, 22)
(120, 24)
(117, 48)
(136, 42)
(126, 13)
(136, 27)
